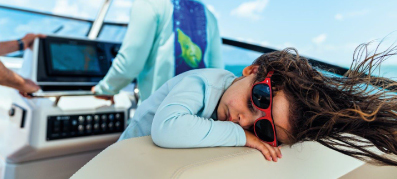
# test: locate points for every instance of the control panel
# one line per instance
(69, 126)
(87, 62)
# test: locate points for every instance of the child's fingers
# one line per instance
(278, 151)
(265, 152)
(269, 152)
(272, 152)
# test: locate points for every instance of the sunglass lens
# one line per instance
(261, 95)
(264, 130)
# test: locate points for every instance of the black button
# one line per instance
(66, 126)
(74, 122)
(11, 112)
(80, 129)
(54, 135)
(96, 126)
(81, 119)
(56, 126)
(110, 125)
(89, 119)
(103, 126)
(96, 118)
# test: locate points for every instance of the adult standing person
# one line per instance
(10, 78)
(164, 38)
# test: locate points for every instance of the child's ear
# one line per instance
(250, 70)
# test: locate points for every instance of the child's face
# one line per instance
(234, 105)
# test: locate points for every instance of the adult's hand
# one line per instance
(28, 86)
(268, 151)
(111, 98)
(29, 38)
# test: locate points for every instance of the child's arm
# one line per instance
(177, 125)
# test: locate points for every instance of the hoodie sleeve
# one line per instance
(134, 51)
(177, 125)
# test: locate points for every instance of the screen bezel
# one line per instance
(49, 61)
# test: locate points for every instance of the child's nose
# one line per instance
(246, 120)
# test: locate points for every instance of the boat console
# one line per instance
(61, 127)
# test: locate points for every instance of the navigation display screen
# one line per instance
(74, 58)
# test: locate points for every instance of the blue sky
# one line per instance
(328, 30)
(325, 30)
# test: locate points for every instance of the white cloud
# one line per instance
(26, 4)
(252, 41)
(287, 44)
(246, 40)
(47, 25)
(121, 17)
(35, 26)
(282, 46)
(212, 9)
(264, 43)
(352, 14)
(14, 2)
(120, 11)
(392, 14)
(358, 13)
(122, 4)
(319, 39)
(77, 8)
(62, 7)
(251, 10)
(351, 46)
(3, 21)
(339, 17)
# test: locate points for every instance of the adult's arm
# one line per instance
(13, 80)
(177, 125)
(8, 47)
(12, 46)
(134, 51)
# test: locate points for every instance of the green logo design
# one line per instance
(191, 52)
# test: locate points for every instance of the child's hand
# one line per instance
(268, 151)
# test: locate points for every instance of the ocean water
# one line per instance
(235, 69)
(389, 71)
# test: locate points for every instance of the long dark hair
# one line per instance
(354, 114)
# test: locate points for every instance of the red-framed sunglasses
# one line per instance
(262, 99)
